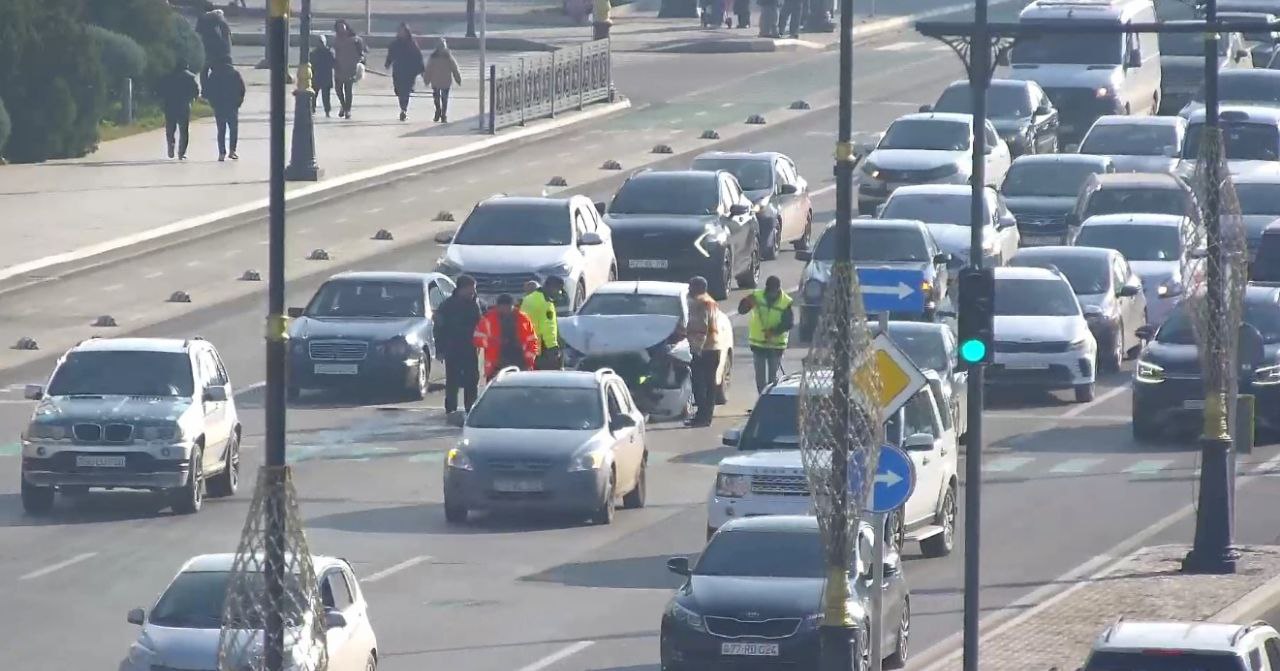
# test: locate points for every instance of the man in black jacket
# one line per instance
(225, 93)
(455, 324)
(178, 90)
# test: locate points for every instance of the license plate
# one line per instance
(1193, 405)
(749, 649)
(1041, 239)
(337, 369)
(94, 461)
(518, 486)
(657, 264)
(1026, 366)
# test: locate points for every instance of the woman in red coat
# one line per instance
(506, 336)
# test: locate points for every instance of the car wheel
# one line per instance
(941, 545)
(862, 639)
(718, 286)
(770, 250)
(636, 497)
(371, 662)
(803, 242)
(228, 481)
(722, 390)
(418, 388)
(751, 276)
(898, 659)
(36, 500)
(604, 514)
(189, 498)
(1084, 392)
(1115, 353)
(895, 530)
(579, 296)
(454, 513)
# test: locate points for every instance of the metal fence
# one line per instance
(542, 85)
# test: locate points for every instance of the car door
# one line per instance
(1133, 309)
(625, 444)
(230, 415)
(919, 418)
(591, 274)
(362, 639)
(216, 431)
(335, 595)
(741, 232)
(629, 406)
(1006, 225)
(997, 156)
(1044, 120)
(788, 204)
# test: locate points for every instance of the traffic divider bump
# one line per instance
(383, 234)
(611, 165)
(756, 120)
(800, 105)
(709, 135)
(105, 321)
(557, 181)
(662, 149)
(26, 343)
(444, 215)
(179, 297)
(251, 275)
(318, 255)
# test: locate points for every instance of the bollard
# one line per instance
(444, 215)
(251, 276)
(756, 120)
(180, 297)
(127, 103)
(383, 234)
(318, 255)
(557, 181)
(26, 343)
(800, 105)
(105, 321)
(611, 165)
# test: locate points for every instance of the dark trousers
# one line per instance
(441, 98)
(322, 95)
(793, 13)
(461, 371)
(404, 91)
(228, 122)
(346, 93)
(549, 359)
(178, 122)
(204, 77)
(702, 375)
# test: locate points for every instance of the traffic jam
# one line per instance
(566, 328)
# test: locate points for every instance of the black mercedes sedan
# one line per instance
(754, 598)
(674, 224)
(369, 330)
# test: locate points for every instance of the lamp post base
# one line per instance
(1212, 552)
(837, 648)
(302, 161)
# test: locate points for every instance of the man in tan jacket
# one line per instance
(704, 342)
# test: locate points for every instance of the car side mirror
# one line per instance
(444, 237)
(33, 392)
(136, 616)
(215, 394)
(334, 620)
(731, 437)
(788, 190)
(456, 418)
(679, 565)
(1134, 59)
(1129, 290)
(924, 109)
(621, 422)
(591, 239)
(601, 207)
(918, 442)
(942, 259)
(988, 148)
(738, 210)
(294, 313)
(1147, 332)
(803, 255)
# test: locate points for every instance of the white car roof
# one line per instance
(173, 345)
(951, 117)
(225, 560)
(1123, 120)
(1026, 273)
(645, 287)
(1135, 220)
(1190, 636)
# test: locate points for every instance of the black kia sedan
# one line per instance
(754, 598)
(672, 225)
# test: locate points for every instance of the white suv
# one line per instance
(133, 413)
(768, 477)
(1185, 645)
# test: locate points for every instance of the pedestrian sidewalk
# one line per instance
(128, 192)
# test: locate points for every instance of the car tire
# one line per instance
(942, 544)
(895, 530)
(722, 389)
(454, 513)
(636, 497)
(718, 286)
(422, 381)
(1084, 392)
(1115, 351)
(189, 498)
(750, 278)
(36, 500)
(228, 481)
(803, 242)
(862, 641)
(770, 250)
(1144, 430)
(902, 650)
(579, 296)
(371, 662)
(603, 515)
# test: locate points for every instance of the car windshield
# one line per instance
(1073, 49)
(516, 226)
(1047, 179)
(632, 304)
(1088, 275)
(764, 554)
(926, 134)
(1247, 87)
(1034, 298)
(773, 424)
(194, 599)
(754, 174)
(1178, 329)
(924, 347)
(1259, 199)
(1135, 243)
(667, 194)
(1189, 44)
(123, 373)
(877, 244)
(931, 208)
(1003, 102)
(1139, 200)
(1189, 661)
(1244, 141)
(1130, 139)
(541, 408)
(367, 300)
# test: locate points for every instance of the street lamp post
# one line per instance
(302, 161)
(471, 18)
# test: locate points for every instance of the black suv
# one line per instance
(672, 225)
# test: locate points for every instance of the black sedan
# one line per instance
(367, 329)
(1021, 112)
(755, 598)
(672, 225)
(781, 195)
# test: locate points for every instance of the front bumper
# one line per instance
(683, 648)
(873, 192)
(553, 490)
(141, 470)
(722, 509)
(1063, 370)
(1178, 403)
(372, 371)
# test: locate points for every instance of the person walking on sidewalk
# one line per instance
(770, 324)
(349, 55)
(178, 89)
(793, 13)
(322, 73)
(225, 93)
(540, 306)
(506, 336)
(769, 18)
(215, 37)
(704, 343)
(442, 72)
(602, 19)
(742, 8)
(404, 59)
(454, 329)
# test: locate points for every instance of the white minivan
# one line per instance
(1089, 75)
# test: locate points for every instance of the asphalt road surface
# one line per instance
(1065, 483)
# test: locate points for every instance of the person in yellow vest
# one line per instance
(771, 321)
(540, 306)
(602, 18)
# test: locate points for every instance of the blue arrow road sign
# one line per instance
(891, 289)
(895, 480)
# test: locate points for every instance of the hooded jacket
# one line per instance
(348, 52)
(225, 89)
(442, 68)
(178, 90)
(455, 326)
(322, 61)
(215, 35)
(404, 58)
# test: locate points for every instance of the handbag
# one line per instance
(359, 71)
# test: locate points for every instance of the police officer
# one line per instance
(540, 305)
(769, 328)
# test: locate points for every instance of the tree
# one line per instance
(122, 58)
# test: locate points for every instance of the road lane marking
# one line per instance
(1147, 468)
(424, 456)
(1075, 465)
(374, 210)
(392, 570)
(39, 573)
(727, 104)
(562, 653)
(1086, 407)
(826, 189)
(230, 253)
(1006, 464)
(408, 199)
(900, 46)
(113, 287)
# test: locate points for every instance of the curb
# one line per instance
(427, 42)
(356, 178)
(1253, 605)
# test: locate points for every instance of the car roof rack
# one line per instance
(1235, 638)
(504, 371)
(1106, 635)
(601, 372)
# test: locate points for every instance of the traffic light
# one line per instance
(977, 316)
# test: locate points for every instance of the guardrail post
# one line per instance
(608, 66)
(493, 99)
(582, 75)
(553, 85)
(524, 91)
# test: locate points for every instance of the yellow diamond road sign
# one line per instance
(900, 378)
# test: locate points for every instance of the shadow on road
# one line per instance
(629, 573)
(428, 518)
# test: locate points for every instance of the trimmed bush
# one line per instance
(186, 43)
(122, 58)
(5, 126)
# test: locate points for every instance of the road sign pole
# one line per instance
(877, 589)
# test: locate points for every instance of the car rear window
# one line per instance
(1162, 661)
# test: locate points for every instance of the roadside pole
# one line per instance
(368, 17)
(877, 585)
(483, 69)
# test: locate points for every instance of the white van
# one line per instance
(1090, 75)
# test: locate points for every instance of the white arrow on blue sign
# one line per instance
(895, 480)
(891, 289)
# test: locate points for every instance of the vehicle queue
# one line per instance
(588, 321)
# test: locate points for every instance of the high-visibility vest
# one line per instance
(542, 312)
(768, 316)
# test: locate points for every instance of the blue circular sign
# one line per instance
(895, 480)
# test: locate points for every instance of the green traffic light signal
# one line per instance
(973, 351)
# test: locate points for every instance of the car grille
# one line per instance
(780, 485)
(87, 433)
(502, 283)
(909, 176)
(1037, 347)
(337, 350)
(1041, 223)
(728, 627)
(1055, 374)
(519, 465)
(117, 433)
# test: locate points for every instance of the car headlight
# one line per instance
(732, 485)
(448, 268)
(686, 617)
(871, 170)
(397, 347)
(161, 432)
(45, 431)
(1102, 92)
(1169, 288)
(561, 269)
(589, 461)
(712, 235)
(1079, 343)
(456, 458)
(1148, 372)
(813, 290)
(1267, 376)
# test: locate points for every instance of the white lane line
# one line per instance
(392, 570)
(230, 253)
(1075, 465)
(439, 189)
(507, 171)
(1086, 407)
(562, 653)
(408, 199)
(39, 573)
(702, 113)
(373, 210)
(471, 180)
(727, 104)
(113, 287)
(192, 264)
(340, 220)
(1006, 464)
(424, 456)
(1147, 468)
(826, 189)
(900, 46)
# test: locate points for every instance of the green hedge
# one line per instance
(122, 58)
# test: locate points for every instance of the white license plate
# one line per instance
(337, 369)
(518, 486)
(657, 264)
(93, 461)
(749, 649)
(1193, 405)
(1041, 239)
(1026, 366)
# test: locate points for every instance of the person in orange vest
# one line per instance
(506, 336)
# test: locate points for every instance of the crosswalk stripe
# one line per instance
(1076, 465)
(1148, 467)
(1006, 464)
(899, 46)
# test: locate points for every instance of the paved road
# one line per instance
(1065, 482)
